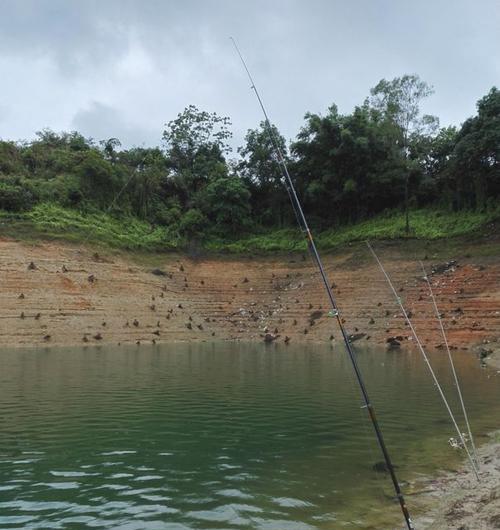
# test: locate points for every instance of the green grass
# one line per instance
(425, 224)
(55, 222)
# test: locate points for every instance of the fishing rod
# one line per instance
(335, 310)
(452, 364)
(426, 359)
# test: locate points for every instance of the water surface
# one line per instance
(219, 436)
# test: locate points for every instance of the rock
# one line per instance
(270, 337)
(484, 352)
(441, 268)
(393, 343)
(356, 336)
(315, 315)
(158, 272)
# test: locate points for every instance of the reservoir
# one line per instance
(223, 435)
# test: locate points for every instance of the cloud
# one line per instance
(102, 122)
(134, 65)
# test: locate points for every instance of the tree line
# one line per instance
(346, 167)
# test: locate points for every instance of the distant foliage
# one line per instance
(348, 168)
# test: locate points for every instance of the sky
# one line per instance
(125, 68)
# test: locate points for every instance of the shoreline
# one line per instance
(456, 500)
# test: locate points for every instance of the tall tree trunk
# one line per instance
(407, 213)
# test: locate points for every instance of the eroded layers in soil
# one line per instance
(58, 294)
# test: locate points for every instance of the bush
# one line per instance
(193, 223)
(14, 198)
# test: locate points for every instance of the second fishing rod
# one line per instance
(301, 218)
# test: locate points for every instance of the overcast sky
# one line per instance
(124, 68)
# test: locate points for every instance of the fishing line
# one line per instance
(452, 364)
(334, 309)
(426, 359)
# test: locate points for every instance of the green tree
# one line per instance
(196, 142)
(347, 166)
(260, 169)
(399, 101)
(475, 164)
(226, 202)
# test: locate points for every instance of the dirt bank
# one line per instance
(458, 501)
(53, 293)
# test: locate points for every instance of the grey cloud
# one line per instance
(144, 61)
(101, 122)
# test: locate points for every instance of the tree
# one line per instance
(347, 166)
(399, 102)
(260, 169)
(226, 202)
(475, 163)
(196, 142)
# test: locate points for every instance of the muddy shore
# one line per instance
(457, 500)
(60, 294)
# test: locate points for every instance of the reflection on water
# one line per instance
(218, 436)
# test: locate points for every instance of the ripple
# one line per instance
(213, 436)
(288, 502)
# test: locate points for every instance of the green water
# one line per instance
(219, 436)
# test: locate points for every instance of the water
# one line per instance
(219, 436)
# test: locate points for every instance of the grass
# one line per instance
(425, 224)
(128, 233)
(51, 221)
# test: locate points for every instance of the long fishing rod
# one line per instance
(426, 359)
(452, 364)
(335, 310)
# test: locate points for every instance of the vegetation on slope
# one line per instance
(349, 170)
(52, 221)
